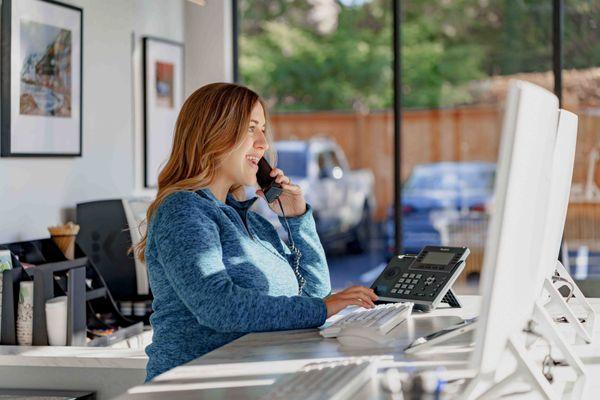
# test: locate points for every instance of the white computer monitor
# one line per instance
(560, 189)
(514, 240)
(563, 160)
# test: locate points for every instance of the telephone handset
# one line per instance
(425, 279)
(270, 188)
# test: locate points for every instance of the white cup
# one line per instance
(139, 308)
(56, 321)
(126, 308)
(25, 314)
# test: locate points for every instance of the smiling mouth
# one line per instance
(253, 160)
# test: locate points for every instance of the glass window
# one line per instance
(445, 177)
(458, 58)
(581, 80)
(325, 69)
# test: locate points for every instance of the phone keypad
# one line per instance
(419, 286)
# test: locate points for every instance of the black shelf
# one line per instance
(53, 276)
(95, 294)
(11, 281)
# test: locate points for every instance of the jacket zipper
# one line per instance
(247, 229)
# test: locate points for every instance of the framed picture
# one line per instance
(41, 78)
(163, 97)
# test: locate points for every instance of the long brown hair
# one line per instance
(211, 123)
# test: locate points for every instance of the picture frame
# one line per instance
(163, 88)
(41, 79)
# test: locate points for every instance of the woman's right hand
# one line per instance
(354, 295)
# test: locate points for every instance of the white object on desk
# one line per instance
(56, 321)
(442, 336)
(549, 268)
(391, 381)
(583, 330)
(378, 320)
(361, 337)
(335, 380)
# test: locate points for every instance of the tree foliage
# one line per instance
(337, 55)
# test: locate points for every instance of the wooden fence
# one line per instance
(457, 134)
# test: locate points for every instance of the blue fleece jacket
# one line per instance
(218, 270)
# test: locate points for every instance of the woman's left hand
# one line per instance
(291, 198)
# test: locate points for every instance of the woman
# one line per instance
(216, 269)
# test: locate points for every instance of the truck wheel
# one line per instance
(362, 233)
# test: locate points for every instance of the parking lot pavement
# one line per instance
(348, 269)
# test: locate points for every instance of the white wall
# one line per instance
(209, 50)
(38, 192)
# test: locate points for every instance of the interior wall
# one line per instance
(39, 192)
(209, 47)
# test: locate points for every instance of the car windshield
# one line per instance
(292, 163)
(450, 179)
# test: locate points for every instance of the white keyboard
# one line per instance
(334, 380)
(381, 319)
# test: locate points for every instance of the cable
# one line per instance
(296, 252)
(549, 362)
(556, 278)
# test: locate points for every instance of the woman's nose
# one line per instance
(261, 142)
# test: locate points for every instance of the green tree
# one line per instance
(296, 64)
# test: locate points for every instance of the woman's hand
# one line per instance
(354, 295)
(291, 197)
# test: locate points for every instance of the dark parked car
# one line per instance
(434, 190)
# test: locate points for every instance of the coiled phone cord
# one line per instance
(296, 252)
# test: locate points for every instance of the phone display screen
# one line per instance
(437, 258)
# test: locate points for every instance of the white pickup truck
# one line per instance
(342, 199)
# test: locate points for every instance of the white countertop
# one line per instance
(126, 354)
(244, 368)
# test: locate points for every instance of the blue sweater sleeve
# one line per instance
(189, 248)
(313, 263)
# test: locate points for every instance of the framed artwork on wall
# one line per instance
(41, 79)
(163, 97)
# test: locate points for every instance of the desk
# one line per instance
(107, 371)
(244, 368)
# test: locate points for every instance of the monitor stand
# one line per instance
(485, 386)
(583, 329)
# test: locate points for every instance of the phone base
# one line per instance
(449, 298)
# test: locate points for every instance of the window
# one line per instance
(457, 60)
(325, 70)
(581, 78)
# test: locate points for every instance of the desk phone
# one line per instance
(425, 279)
